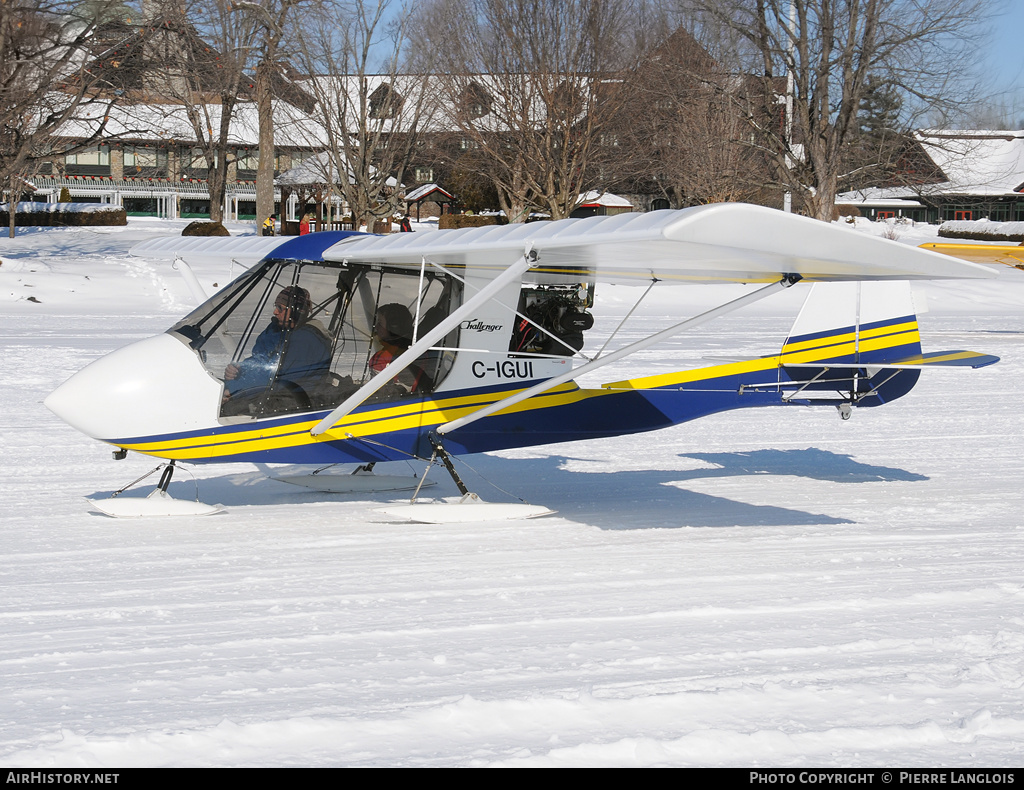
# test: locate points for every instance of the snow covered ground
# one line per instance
(761, 588)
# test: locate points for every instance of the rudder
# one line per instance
(854, 322)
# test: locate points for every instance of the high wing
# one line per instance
(245, 250)
(726, 242)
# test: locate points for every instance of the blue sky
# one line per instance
(1005, 59)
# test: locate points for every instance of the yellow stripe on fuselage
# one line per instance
(377, 423)
(421, 414)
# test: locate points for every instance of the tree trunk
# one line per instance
(216, 185)
(12, 210)
(265, 167)
(217, 180)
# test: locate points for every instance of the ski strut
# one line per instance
(441, 453)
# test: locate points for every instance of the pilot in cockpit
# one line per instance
(292, 347)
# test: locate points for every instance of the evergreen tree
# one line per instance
(879, 111)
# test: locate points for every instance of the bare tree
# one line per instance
(269, 19)
(535, 87)
(683, 134)
(371, 113)
(830, 50)
(200, 54)
(45, 86)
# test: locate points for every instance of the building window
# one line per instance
(247, 160)
(246, 163)
(424, 175)
(145, 162)
(385, 102)
(999, 212)
(91, 156)
(475, 102)
(468, 144)
(288, 160)
(196, 160)
(90, 162)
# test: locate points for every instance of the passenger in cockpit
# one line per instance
(292, 347)
(393, 331)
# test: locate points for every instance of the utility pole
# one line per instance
(787, 198)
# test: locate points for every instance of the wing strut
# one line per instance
(512, 274)
(198, 294)
(544, 386)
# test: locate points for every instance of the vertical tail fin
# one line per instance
(871, 322)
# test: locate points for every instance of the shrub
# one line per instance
(64, 214)
(204, 228)
(452, 221)
(982, 230)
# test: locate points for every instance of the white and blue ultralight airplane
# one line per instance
(347, 347)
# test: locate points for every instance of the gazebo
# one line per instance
(431, 192)
(601, 204)
(311, 181)
(315, 181)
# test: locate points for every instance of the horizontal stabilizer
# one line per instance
(949, 359)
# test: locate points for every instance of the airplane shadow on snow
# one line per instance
(645, 499)
(618, 500)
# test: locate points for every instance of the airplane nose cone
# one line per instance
(154, 387)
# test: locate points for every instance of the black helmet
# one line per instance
(296, 298)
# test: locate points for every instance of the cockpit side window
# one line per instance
(297, 336)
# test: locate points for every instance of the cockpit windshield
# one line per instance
(293, 336)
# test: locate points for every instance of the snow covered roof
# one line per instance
(417, 101)
(606, 199)
(317, 170)
(313, 170)
(292, 127)
(880, 196)
(977, 162)
(427, 189)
